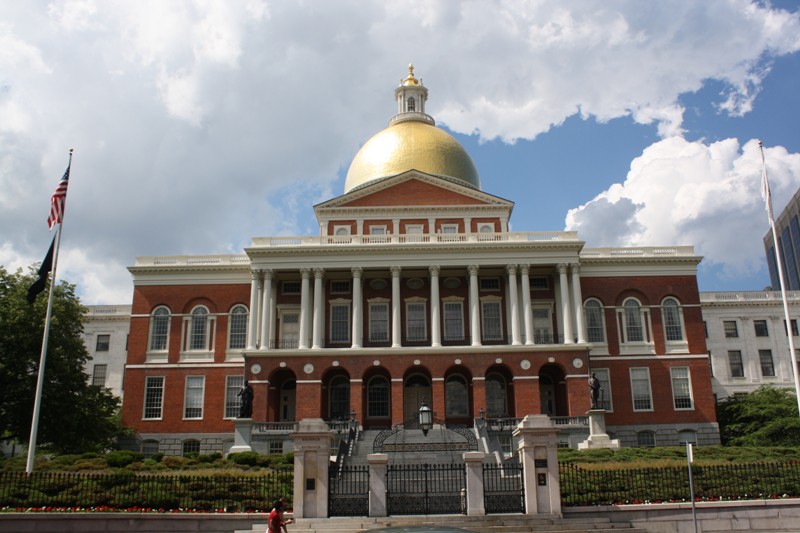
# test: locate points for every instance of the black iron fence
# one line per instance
(426, 489)
(503, 490)
(130, 491)
(739, 481)
(348, 491)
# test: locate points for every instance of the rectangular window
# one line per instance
(193, 397)
(767, 365)
(449, 228)
(99, 375)
(490, 284)
(453, 321)
(760, 327)
(681, 388)
(276, 447)
(492, 323)
(540, 283)
(731, 331)
(291, 287)
(640, 387)
(377, 230)
(415, 322)
(233, 384)
(735, 362)
(340, 286)
(379, 322)
(153, 397)
(340, 323)
(602, 375)
(103, 342)
(794, 328)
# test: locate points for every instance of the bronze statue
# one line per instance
(246, 407)
(594, 388)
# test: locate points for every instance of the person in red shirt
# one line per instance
(275, 521)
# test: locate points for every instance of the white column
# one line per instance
(318, 324)
(358, 308)
(266, 310)
(566, 316)
(396, 329)
(577, 302)
(305, 273)
(526, 302)
(273, 324)
(395, 230)
(252, 332)
(474, 311)
(512, 293)
(436, 324)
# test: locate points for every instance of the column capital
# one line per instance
(255, 273)
(305, 273)
(562, 268)
(357, 271)
(395, 270)
(268, 273)
(434, 270)
(319, 273)
(524, 269)
(511, 269)
(575, 268)
(473, 270)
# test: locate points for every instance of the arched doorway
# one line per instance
(416, 389)
(552, 391)
(337, 396)
(377, 401)
(458, 398)
(282, 397)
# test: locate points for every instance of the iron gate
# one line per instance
(348, 491)
(426, 489)
(503, 491)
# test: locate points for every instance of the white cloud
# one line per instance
(706, 195)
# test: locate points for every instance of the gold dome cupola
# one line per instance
(411, 142)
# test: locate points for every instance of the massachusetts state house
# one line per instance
(415, 290)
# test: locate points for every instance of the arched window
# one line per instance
(673, 319)
(412, 104)
(339, 398)
(198, 331)
(456, 397)
(633, 328)
(595, 326)
(378, 397)
(149, 448)
(496, 395)
(159, 329)
(237, 328)
(646, 439)
(191, 446)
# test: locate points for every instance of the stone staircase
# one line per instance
(406, 440)
(468, 524)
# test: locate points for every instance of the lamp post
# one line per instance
(425, 418)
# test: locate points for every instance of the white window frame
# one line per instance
(602, 328)
(414, 302)
(676, 345)
(452, 336)
(545, 335)
(726, 332)
(206, 351)
(731, 354)
(341, 230)
(336, 306)
(604, 376)
(486, 334)
(106, 346)
(194, 391)
(283, 342)
(449, 228)
(159, 354)
(626, 345)
(100, 375)
(233, 384)
(236, 311)
(372, 304)
(771, 362)
(678, 382)
(639, 375)
(156, 385)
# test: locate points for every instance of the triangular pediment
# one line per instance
(414, 189)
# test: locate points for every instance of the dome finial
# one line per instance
(410, 80)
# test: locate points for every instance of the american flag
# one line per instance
(59, 199)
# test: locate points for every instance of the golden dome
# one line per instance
(408, 145)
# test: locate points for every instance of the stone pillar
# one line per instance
(598, 438)
(312, 449)
(474, 311)
(538, 455)
(566, 315)
(253, 329)
(512, 294)
(318, 327)
(396, 327)
(526, 303)
(305, 273)
(577, 302)
(474, 464)
(266, 310)
(243, 428)
(377, 484)
(436, 318)
(358, 308)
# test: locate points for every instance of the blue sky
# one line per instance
(199, 125)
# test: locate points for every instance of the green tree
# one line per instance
(765, 417)
(74, 416)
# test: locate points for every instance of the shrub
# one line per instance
(245, 458)
(122, 458)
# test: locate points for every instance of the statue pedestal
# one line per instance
(241, 438)
(598, 438)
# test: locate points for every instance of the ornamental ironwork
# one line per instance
(426, 489)
(348, 491)
(503, 488)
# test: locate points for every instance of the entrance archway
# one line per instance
(552, 391)
(416, 389)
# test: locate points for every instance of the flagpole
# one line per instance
(42, 358)
(768, 199)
